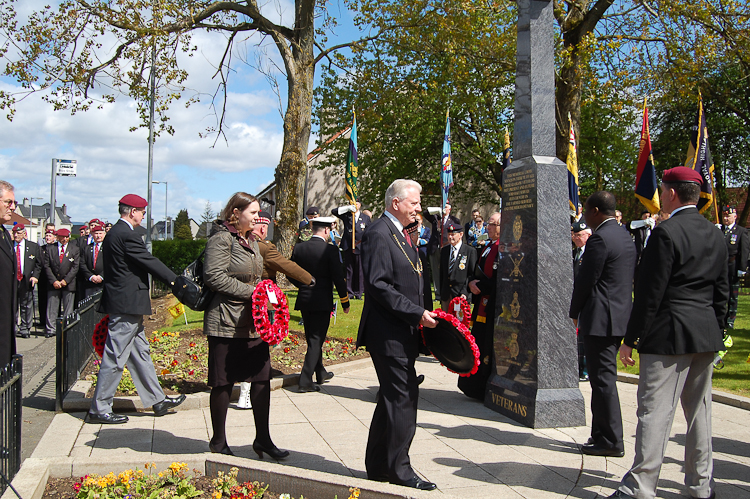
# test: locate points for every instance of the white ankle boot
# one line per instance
(244, 400)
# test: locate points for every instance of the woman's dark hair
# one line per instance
(239, 200)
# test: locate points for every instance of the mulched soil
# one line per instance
(62, 488)
(181, 362)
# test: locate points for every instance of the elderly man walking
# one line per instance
(676, 324)
(126, 299)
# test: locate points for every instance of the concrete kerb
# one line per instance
(719, 397)
(32, 478)
(76, 400)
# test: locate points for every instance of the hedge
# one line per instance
(178, 254)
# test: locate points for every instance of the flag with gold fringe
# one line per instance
(699, 159)
(506, 156)
(646, 190)
(351, 164)
(572, 168)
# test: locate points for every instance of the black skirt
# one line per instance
(233, 360)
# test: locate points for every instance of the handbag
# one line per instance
(190, 289)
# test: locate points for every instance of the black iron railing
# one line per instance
(74, 348)
(11, 401)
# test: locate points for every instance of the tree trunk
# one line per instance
(568, 98)
(745, 209)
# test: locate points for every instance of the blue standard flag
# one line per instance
(351, 165)
(645, 177)
(446, 173)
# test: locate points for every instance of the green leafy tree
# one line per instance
(182, 226)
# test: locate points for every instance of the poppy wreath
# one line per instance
(270, 333)
(465, 310)
(101, 331)
(467, 334)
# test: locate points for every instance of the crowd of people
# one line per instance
(684, 273)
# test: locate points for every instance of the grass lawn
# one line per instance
(735, 377)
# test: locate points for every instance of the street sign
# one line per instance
(66, 167)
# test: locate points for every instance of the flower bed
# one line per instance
(173, 483)
(181, 360)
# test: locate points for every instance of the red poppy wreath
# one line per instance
(270, 333)
(466, 333)
(101, 331)
(465, 310)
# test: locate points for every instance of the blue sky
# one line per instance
(112, 161)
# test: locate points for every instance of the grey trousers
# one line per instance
(54, 297)
(664, 381)
(25, 307)
(126, 344)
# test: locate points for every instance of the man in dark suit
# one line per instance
(29, 268)
(8, 279)
(92, 262)
(600, 308)
(61, 264)
(352, 254)
(42, 286)
(579, 234)
(393, 311)
(484, 287)
(738, 247)
(438, 239)
(322, 260)
(127, 264)
(677, 321)
(457, 264)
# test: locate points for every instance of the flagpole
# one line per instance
(354, 200)
(713, 195)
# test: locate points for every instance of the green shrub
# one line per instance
(178, 254)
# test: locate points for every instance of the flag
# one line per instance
(352, 169)
(506, 156)
(572, 168)
(446, 174)
(699, 158)
(176, 310)
(645, 177)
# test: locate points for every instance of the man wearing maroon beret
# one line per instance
(61, 264)
(126, 299)
(29, 268)
(676, 324)
(92, 262)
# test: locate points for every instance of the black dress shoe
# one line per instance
(110, 418)
(420, 379)
(600, 450)
(49, 335)
(325, 378)
(163, 407)
(275, 373)
(311, 388)
(272, 451)
(23, 335)
(224, 450)
(621, 495)
(418, 483)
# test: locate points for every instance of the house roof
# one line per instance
(43, 212)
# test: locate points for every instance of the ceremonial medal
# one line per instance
(462, 264)
(733, 239)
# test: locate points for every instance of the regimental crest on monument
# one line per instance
(515, 307)
(517, 229)
(513, 347)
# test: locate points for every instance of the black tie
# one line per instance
(453, 260)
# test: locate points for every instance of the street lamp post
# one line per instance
(166, 198)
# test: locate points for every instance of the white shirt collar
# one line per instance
(457, 247)
(129, 224)
(682, 208)
(319, 237)
(395, 221)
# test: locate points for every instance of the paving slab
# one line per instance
(468, 450)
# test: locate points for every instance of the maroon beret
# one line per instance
(97, 227)
(95, 221)
(19, 227)
(681, 174)
(134, 200)
(62, 232)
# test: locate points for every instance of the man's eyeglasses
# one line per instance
(10, 203)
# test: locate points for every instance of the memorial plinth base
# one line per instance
(536, 376)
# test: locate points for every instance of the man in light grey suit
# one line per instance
(677, 321)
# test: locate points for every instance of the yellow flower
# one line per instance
(217, 494)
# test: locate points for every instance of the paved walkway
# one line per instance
(468, 450)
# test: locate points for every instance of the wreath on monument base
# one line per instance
(271, 333)
(465, 310)
(101, 331)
